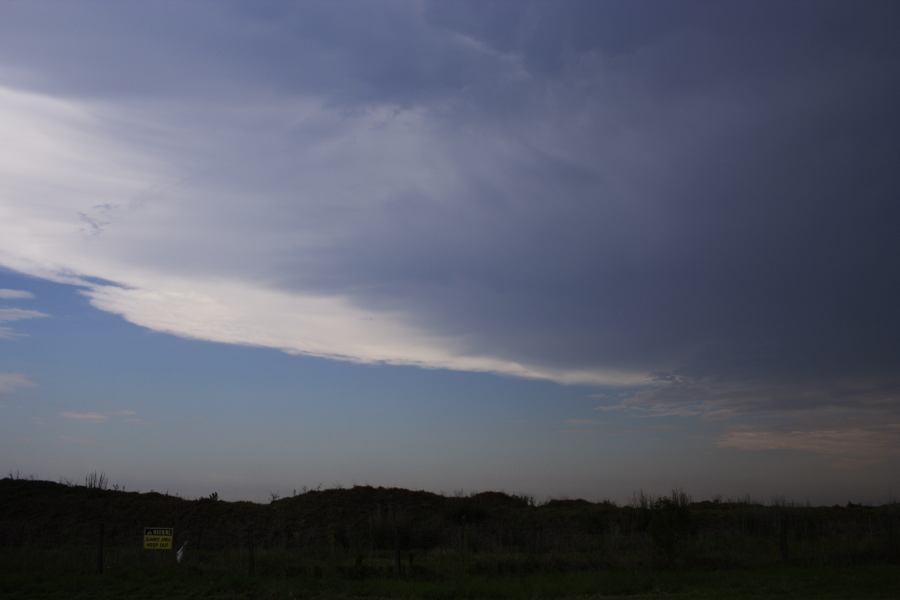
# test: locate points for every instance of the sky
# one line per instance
(568, 249)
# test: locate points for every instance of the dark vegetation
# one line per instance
(374, 534)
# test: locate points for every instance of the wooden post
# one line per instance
(251, 557)
(399, 565)
(464, 545)
(783, 542)
(100, 550)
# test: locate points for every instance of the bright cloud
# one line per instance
(317, 326)
(110, 212)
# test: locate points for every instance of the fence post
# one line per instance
(100, 549)
(783, 542)
(251, 557)
(464, 544)
(397, 561)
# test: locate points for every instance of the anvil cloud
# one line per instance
(697, 202)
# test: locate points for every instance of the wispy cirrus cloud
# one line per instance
(10, 315)
(847, 446)
(86, 416)
(8, 294)
(10, 382)
(90, 416)
(723, 398)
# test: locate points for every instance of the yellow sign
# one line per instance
(158, 538)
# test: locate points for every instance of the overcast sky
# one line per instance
(655, 228)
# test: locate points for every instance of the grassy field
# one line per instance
(366, 542)
(864, 582)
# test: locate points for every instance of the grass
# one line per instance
(374, 543)
(862, 582)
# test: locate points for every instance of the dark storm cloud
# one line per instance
(349, 54)
(707, 191)
(750, 228)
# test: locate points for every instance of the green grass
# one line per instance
(863, 582)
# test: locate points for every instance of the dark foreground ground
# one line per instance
(85, 541)
(796, 583)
